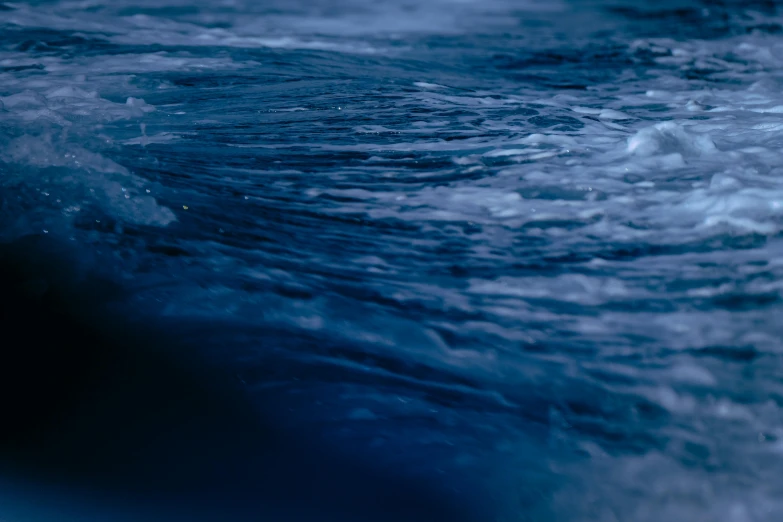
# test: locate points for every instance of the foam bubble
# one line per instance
(669, 138)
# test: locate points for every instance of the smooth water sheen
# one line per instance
(532, 246)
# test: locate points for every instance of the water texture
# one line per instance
(532, 246)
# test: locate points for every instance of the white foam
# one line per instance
(89, 176)
(92, 178)
(571, 288)
(669, 138)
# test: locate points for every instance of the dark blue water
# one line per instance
(508, 261)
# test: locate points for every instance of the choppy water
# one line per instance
(535, 245)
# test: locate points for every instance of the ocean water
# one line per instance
(526, 255)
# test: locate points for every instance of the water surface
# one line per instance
(527, 251)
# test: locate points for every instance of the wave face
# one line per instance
(524, 253)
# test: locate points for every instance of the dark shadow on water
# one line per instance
(126, 416)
